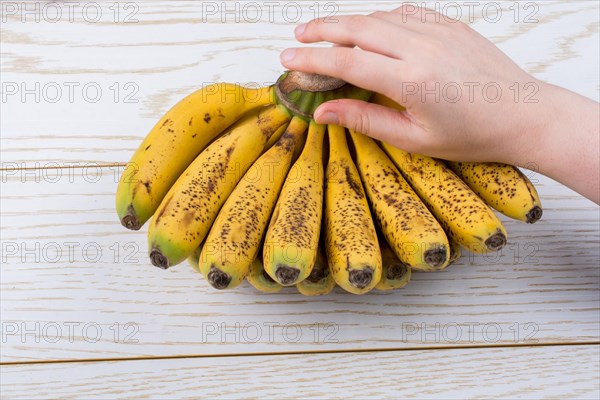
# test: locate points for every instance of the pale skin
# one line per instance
(405, 54)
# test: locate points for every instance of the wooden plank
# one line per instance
(570, 372)
(75, 284)
(143, 67)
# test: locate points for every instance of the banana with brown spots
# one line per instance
(350, 237)
(503, 187)
(175, 141)
(395, 274)
(235, 237)
(291, 242)
(466, 217)
(320, 281)
(189, 209)
(408, 226)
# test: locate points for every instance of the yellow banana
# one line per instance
(413, 233)
(503, 187)
(461, 212)
(193, 258)
(455, 252)
(188, 210)
(320, 281)
(260, 280)
(235, 237)
(382, 100)
(292, 238)
(350, 237)
(176, 139)
(395, 274)
(275, 137)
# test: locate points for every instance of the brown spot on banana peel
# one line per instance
(218, 279)
(356, 187)
(206, 118)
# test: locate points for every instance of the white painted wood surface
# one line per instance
(562, 372)
(99, 298)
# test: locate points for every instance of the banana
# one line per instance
(455, 252)
(413, 233)
(382, 100)
(235, 237)
(175, 141)
(188, 210)
(291, 242)
(459, 210)
(395, 274)
(350, 237)
(503, 187)
(194, 257)
(275, 137)
(320, 281)
(260, 279)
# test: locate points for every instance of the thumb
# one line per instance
(379, 122)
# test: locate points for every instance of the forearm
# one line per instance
(565, 144)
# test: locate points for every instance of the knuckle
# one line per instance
(356, 21)
(362, 123)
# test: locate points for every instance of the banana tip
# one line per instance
(396, 271)
(496, 241)
(534, 215)
(362, 278)
(317, 274)
(286, 275)
(158, 259)
(130, 222)
(218, 279)
(437, 257)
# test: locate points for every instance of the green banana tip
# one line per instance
(130, 222)
(158, 259)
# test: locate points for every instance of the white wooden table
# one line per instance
(85, 315)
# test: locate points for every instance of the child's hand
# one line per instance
(465, 99)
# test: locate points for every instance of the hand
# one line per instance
(459, 90)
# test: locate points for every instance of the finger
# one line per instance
(355, 66)
(368, 33)
(373, 120)
(413, 13)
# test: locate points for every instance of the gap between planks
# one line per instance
(302, 352)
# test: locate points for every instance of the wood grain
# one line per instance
(564, 372)
(66, 259)
(144, 67)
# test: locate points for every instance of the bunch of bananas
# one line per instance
(245, 185)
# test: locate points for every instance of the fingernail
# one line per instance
(327, 117)
(300, 29)
(288, 55)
